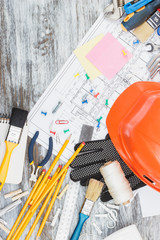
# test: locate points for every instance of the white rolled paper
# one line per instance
(128, 233)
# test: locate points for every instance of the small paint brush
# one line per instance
(145, 30)
(17, 121)
(92, 194)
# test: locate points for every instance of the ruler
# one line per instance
(68, 211)
(71, 195)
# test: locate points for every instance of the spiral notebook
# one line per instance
(15, 170)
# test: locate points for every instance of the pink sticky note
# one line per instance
(109, 56)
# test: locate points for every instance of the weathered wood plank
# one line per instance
(36, 38)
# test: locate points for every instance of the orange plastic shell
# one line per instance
(134, 127)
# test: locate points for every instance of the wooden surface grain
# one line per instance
(36, 38)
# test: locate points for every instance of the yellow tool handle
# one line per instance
(10, 146)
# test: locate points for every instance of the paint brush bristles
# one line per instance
(92, 194)
(94, 190)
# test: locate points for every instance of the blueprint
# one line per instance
(71, 88)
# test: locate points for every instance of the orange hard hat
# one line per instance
(134, 127)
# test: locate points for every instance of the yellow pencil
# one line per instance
(55, 175)
(53, 181)
(42, 187)
(34, 207)
(51, 205)
(42, 208)
(26, 205)
(25, 220)
(28, 215)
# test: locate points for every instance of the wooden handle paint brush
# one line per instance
(93, 192)
(17, 121)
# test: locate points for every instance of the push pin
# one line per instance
(87, 76)
(106, 102)
(91, 91)
(99, 119)
(124, 53)
(44, 113)
(65, 131)
(76, 75)
(136, 42)
(54, 133)
(85, 101)
(98, 125)
(96, 95)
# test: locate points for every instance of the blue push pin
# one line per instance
(98, 125)
(136, 42)
(85, 101)
(91, 91)
(44, 113)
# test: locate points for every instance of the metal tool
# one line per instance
(154, 66)
(115, 10)
(111, 215)
(34, 174)
(153, 47)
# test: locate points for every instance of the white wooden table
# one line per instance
(36, 38)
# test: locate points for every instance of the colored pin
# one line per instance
(85, 101)
(91, 91)
(98, 125)
(44, 113)
(136, 42)
(124, 53)
(99, 119)
(96, 95)
(65, 131)
(76, 75)
(106, 102)
(87, 76)
(54, 133)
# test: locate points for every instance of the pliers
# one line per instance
(153, 47)
(34, 174)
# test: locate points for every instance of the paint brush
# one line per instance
(145, 30)
(17, 121)
(92, 194)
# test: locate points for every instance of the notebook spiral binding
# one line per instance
(4, 118)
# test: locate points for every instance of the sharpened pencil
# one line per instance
(51, 205)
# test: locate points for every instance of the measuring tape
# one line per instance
(68, 211)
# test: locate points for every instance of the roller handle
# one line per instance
(135, 19)
(77, 231)
(10, 146)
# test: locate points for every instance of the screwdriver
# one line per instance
(136, 18)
